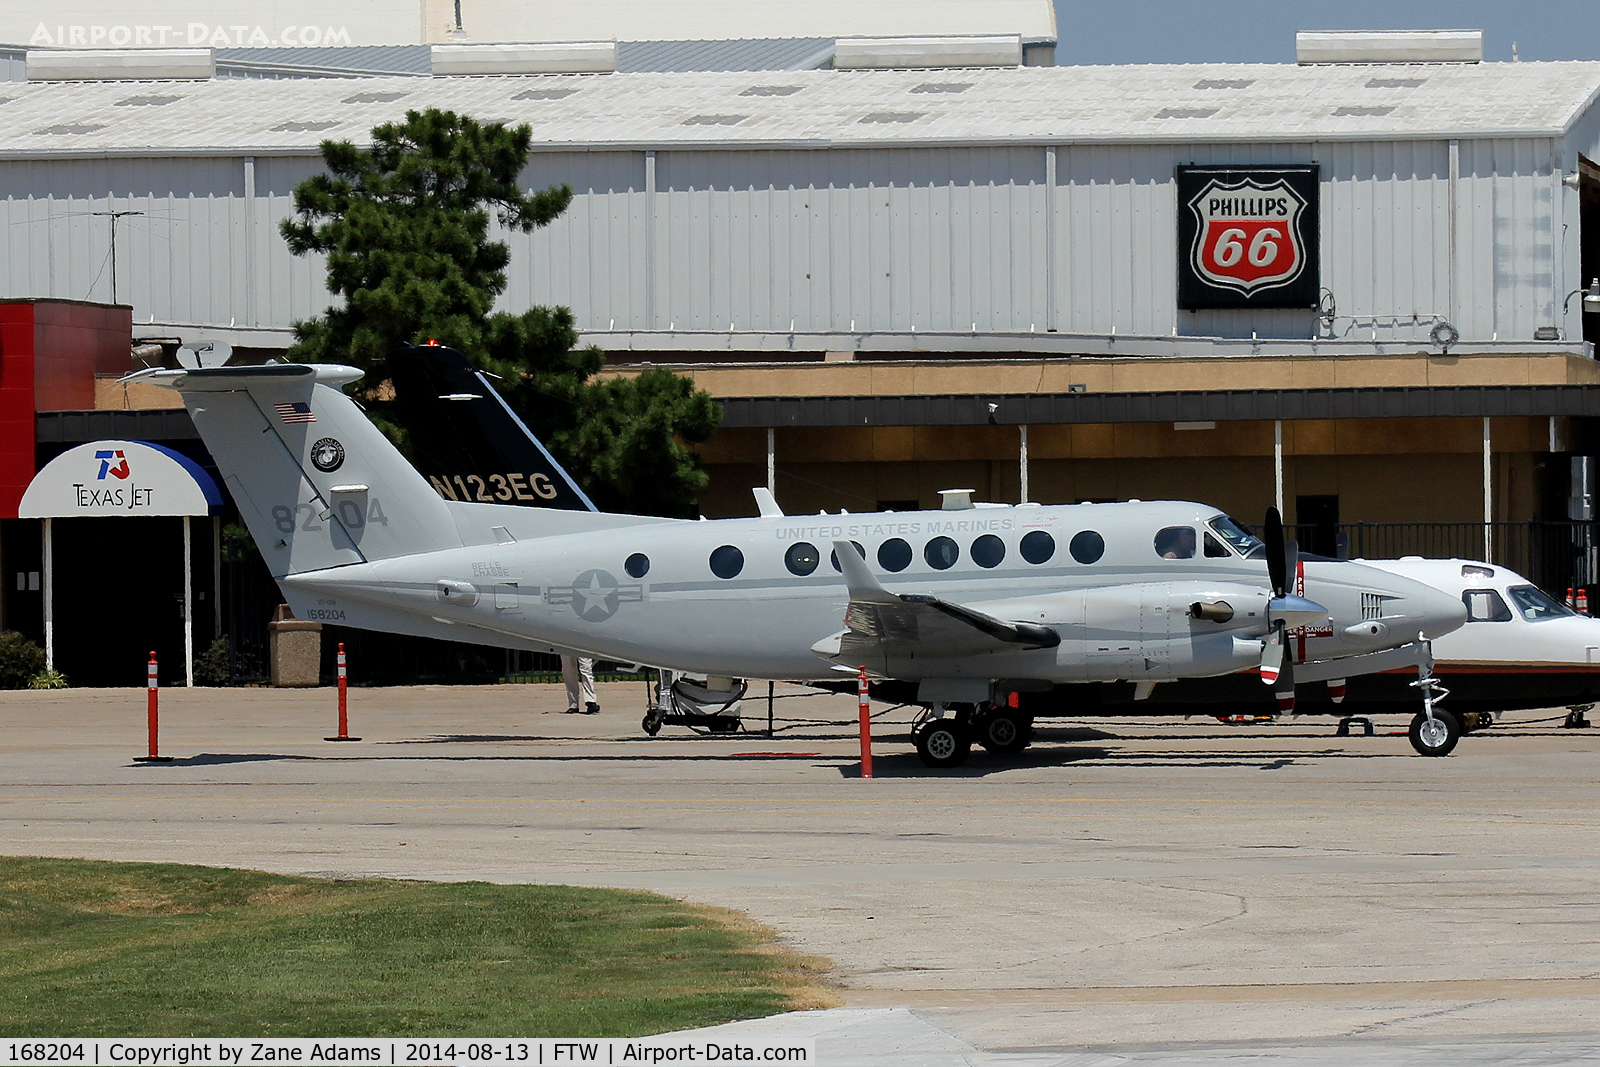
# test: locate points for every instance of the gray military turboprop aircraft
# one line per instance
(998, 600)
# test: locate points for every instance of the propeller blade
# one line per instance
(1273, 655)
(1283, 692)
(1277, 563)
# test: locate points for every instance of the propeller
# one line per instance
(1277, 665)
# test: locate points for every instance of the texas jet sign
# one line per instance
(1247, 237)
(108, 479)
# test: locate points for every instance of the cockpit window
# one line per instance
(1537, 605)
(1243, 543)
(1485, 605)
(1175, 542)
(1215, 548)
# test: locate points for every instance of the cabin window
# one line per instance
(727, 562)
(833, 557)
(1537, 605)
(894, 555)
(1216, 549)
(1485, 605)
(941, 553)
(1175, 542)
(1037, 547)
(988, 551)
(1087, 547)
(637, 565)
(802, 558)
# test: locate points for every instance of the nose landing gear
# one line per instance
(1434, 731)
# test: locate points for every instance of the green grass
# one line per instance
(90, 948)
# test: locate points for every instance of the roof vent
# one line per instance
(375, 98)
(942, 87)
(714, 120)
(1224, 83)
(578, 57)
(886, 53)
(544, 94)
(1390, 46)
(892, 116)
(122, 64)
(1363, 112)
(772, 90)
(73, 129)
(148, 101)
(1187, 112)
(303, 127)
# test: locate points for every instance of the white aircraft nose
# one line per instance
(1441, 613)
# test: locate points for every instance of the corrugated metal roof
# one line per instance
(371, 59)
(773, 53)
(1014, 106)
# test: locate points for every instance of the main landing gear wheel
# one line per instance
(651, 723)
(942, 743)
(1004, 732)
(1435, 738)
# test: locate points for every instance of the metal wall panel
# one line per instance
(946, 239)
(851, 240)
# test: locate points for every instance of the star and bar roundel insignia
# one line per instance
(595, 595)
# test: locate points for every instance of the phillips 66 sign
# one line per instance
(1247, 237)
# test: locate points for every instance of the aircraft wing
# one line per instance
(883, 625)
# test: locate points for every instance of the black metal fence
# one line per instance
(1555, 556)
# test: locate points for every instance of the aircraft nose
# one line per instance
(1441, 613)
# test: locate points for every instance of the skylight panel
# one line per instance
(1187, 112)
(1395, 83)
(1363, 112)
(1224, 83)
(72, 129)
(375, 98)
(891, 116)
(714, 120)
(772, 90)
(544, 94)
(148, 101)
(942, 87)
(303, 127)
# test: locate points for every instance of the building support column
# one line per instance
(1277, 465)
(188, 605)
(1022, 465)
(48, 588)
(1488, 495)
(772, 461)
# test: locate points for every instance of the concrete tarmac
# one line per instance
(1125, 888)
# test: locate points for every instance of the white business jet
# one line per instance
(971, 605)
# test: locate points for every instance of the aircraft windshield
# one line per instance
(1536, 605)
(1243, 543)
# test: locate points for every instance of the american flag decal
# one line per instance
(299, 411)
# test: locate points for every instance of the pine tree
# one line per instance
(404, 225)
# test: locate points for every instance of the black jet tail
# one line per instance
(467, 442)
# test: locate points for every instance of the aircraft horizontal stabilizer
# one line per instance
(880, 625)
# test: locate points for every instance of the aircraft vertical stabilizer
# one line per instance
(317, 483)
